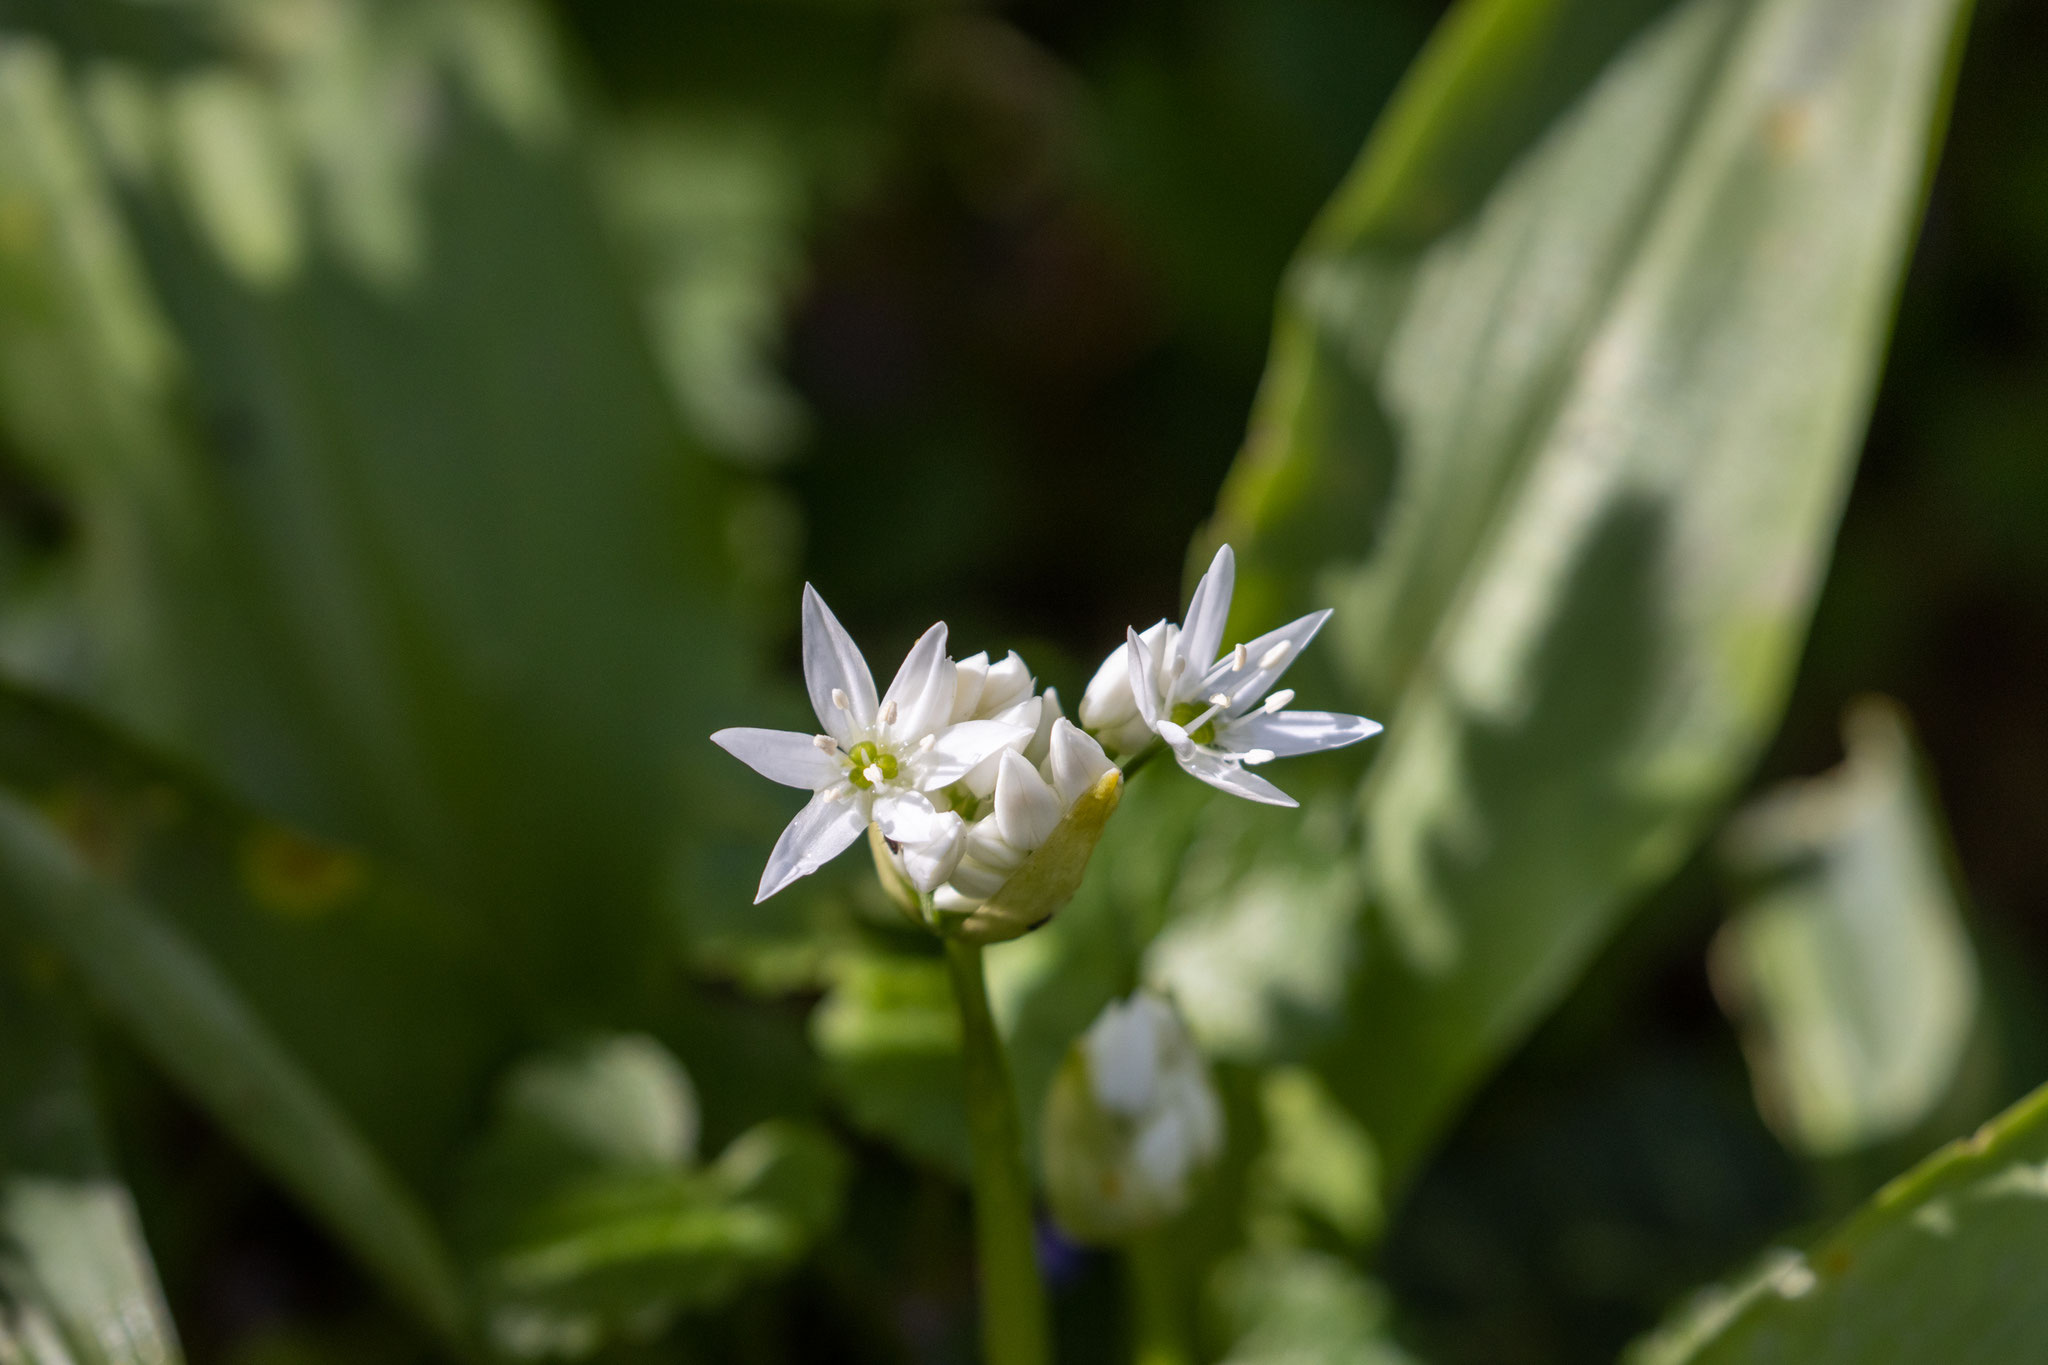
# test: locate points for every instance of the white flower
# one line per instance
(1171, 682)
(1025, 806)
(1131, 1121)
(875, 762)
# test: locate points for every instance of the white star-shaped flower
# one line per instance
(1211, 709)
(875, 761)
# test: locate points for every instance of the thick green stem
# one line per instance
(1013, 1314)
(1157, 1310)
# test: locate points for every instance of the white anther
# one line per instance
(924, 746)
(873, 773)
(839, 699)
(888, 713)
(1219, 699)
(825, 743)
(1272, 657)
(836, 793)
(1238, 659)
(1258, 756)
(1278, 700)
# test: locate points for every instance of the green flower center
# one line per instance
(866, 755)
(1185, 711)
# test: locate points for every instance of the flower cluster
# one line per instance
(969, 775)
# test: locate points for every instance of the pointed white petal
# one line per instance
(1225, 775)
(1282, 646)
(968, 676)
(928, 863)
(1027, 811)
(1144, 683)
(908, 817)
(1009, 682)
(1122, 1047)
(1107, 702)
(981, 779)
(951, 897)
(1202, 629)
(920, 698)
(833, 663)
(820, 832)
(1293, 732)
(1041, 739)
(1076, 762)
(957, 749)
(985, 845)
(975, 882)
(782, 756)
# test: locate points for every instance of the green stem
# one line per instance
(1156, 1306)
(1013, 1313)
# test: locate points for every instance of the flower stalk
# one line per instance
(1014, 1329)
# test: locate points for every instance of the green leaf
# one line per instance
(76, 1283)
(888, 1034)
(1286, 1306)
(1848, 965)
(1625, 396)
(1944, 1264)
(204, 1035)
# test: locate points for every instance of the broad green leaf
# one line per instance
(387, 519)
(888, 1034)
(1847, 963)
(586, 1220)
(1946, 1263)
(76, 1283)
(1624, 394)
(1286, 1306)
(204, 1035)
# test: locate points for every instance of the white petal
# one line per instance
(985, 845)
(1107, 702)
(1246, 688)
(929, 862)
(969, 675)
(1219, 772)
(976, 882)
(1009, 682)
(820, 832)
(1027, 812)
(833, 663)
(981, 779)
(1202, 629)
(1122, 1047)
(1144, 682)
(951, 897)
(922, 691)
(908, 818)
(957, 749)
(1293, 732)
(1164, 1151)
(783, 756)
(1076, 762)
(1041, 739)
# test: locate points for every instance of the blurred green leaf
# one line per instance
(888, 1033)
(1847, 964)
(1318, 1161)
(1944, 1264)
(587, 1222)
(203, 1034)
(76, 1283)
(1625, 395)
(1295, 1307)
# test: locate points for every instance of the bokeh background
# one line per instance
(968, 307)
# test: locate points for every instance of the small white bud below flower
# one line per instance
(826, 743)
(839, 699)
(873, 773)
(1239, 657)
(1272, 657)
(1278, 701)
(888, 713)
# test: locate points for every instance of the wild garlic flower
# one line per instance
(1211, 709)
(1020, 814)
(1130, 1123)
(875, 762)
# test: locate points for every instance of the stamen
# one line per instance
(1219, 699)
(873, 773)
(924, 746)
(1272, 657)
(1258, 756)
(825, 743)
(1238, 659)
(888, 713)
(1278, 701)
(840, 700)
(836, 792)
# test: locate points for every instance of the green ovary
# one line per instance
(1183, 712)
(864, 756)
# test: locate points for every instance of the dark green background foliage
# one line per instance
(416, 423)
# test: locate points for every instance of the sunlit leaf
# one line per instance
(1847, 962)
(1297, 1307)
(1944, 1264)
